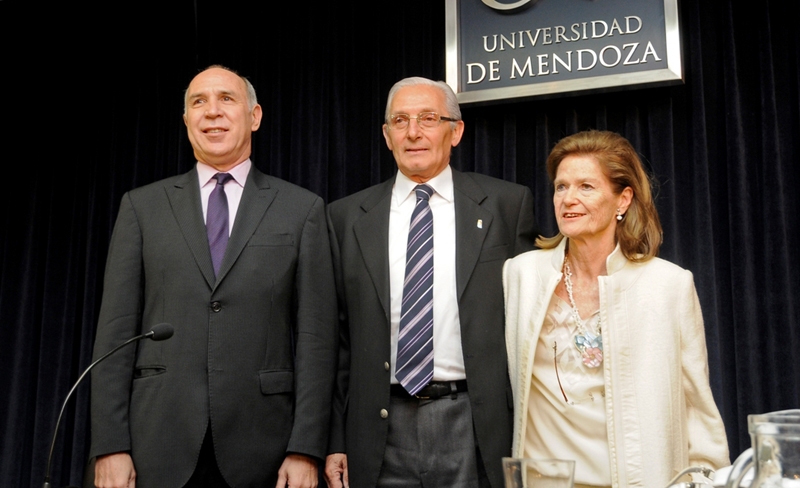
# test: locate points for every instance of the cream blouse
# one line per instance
(566, 411)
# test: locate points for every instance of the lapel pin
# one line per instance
(480, 223)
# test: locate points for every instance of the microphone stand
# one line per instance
(155, 334)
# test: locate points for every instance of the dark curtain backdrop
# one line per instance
(107, 118)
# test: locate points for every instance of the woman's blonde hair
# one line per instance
(639, 233)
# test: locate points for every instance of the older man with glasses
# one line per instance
(423, 396)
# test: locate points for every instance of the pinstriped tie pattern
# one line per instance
(414, 366)
(217, 220)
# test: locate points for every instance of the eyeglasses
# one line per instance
(591, 397)
(426, 120)
(555, 365)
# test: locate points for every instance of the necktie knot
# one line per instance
(424, 192)
(222, 178)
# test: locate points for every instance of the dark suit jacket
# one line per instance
(254, 350)
(359, 230)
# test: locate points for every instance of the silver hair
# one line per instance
(252, 101)
(450, 100)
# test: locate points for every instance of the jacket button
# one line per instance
(384, 413)
(386, 366)
(216, 306)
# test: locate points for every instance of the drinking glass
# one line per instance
(538, 473)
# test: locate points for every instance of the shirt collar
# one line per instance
(239, 172)
(442, 185)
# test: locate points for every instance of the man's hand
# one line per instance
(114, 471)
(297, 471)
(336, 471)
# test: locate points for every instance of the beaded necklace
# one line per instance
(589, 345)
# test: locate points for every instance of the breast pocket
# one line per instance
(269, 254)
(271, 240)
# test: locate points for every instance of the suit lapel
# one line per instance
(472, 225)
(372, 234)
(184, 198)
(257, 196)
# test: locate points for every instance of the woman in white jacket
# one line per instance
(606, 345)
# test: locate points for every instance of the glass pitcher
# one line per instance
(775, 454)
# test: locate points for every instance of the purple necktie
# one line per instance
(414, 366)
(217, 221)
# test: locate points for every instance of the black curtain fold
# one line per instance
(106, 114)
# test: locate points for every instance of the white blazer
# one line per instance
(660, 413)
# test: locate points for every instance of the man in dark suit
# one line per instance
(239, 263)
(423, 396)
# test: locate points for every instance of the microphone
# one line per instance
(159, 332)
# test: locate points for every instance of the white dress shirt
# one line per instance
(233, 188)
(448, 358)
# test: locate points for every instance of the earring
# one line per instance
(619, 214)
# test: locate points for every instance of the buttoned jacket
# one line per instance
(494, 221)
(254, 348)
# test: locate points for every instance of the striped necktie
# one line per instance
(414, 365)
